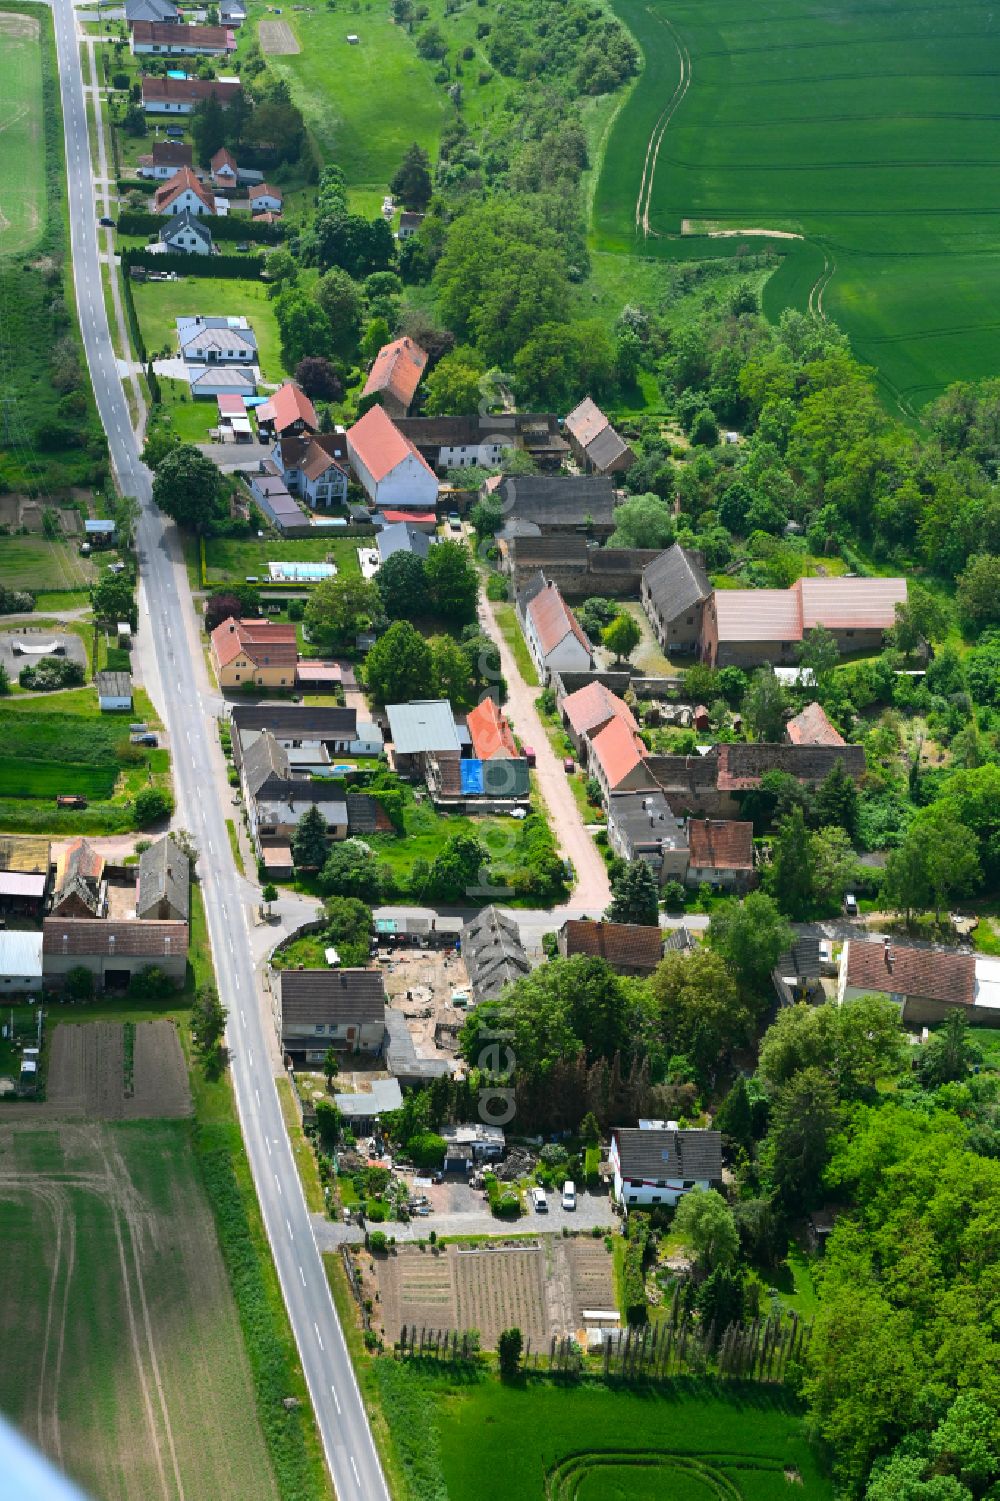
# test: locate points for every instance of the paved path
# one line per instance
(592, 891)
(179, 684)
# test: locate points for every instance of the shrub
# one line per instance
(378, 1242)
(152, 804)
(427, 1150)
(496, 587)
(634, 1268)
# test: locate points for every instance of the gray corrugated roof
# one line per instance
(425, 725)
(559, 500)
(402, 537)
(295, 721)
(340, 996)
(676, 581)
(263, 757)
(665, 1153)
(164, 872)
(113, 684)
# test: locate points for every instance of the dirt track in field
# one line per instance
(277, 39)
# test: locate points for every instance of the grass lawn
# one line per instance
(506, 619)
(22, 131)
(159, 303)
(305, 1157)
(192, 420)
(231, 559)
(690, 1440)
(33, 562)
(794, 1284)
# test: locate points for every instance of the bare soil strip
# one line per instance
(277, 39)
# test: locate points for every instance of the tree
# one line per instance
(509, 1347)
(237, 603)
(151, 805)
(622, 636)
(837, 799)
(704, 1222)
(790, 878)
(819, 654)
(382, 290)
(937, 861)
(78, 987)
(340, 607)
(919, 618)
(834, 864)
(309, 842)
(450, 670)
(699, 1010)
(318, 379)
(590, 1131)
(280, 266)
(340, 297)
(303, 326)
(455, 386)
(459, 870)
(950, 1054)
(634, 896)
(208, 1022)
(750, 935)
(328, 1123)
(208, 129)
(643, 521)
(411, 181)
(398, 667)
(402, 583)
(804, 1115)
(976, 591)
(350, 870)
(427, 1150)
(734, 1118)
(855, 1044)
(189, 488)
(331, 1065)
(452, 581)
(704, 430)
(376, 335)
(764, 705)
(4, 681)
(113, 597)
(269, 894)
(560, 359)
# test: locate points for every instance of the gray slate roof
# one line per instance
(493, 953)
(150, 10)
(183, 221)
(676, 581)
(559, 500)
(338, 996)
(164, 872)
(263, 758)
(402, 537)
(296, 721)
(665, 1153)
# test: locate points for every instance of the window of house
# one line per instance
(655, 1199)
(631, 1199)
(689, 1182)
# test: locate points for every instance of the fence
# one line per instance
(230, 267)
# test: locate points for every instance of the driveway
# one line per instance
(593, 1210)
(592, 890)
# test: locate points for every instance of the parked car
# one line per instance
(454, 521)
(70, 800)
(569, 764)
(529, 755)
(569, 1194)
(851, 905)
(539, 1200)
(106, 222)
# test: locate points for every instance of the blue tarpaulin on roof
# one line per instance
(471, 773)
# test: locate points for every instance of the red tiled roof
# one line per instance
(188, 90)
(950, 978)
(850, 604)
(257, 639)
(182, 179)
(288, 405)
(758, 615)
(553, 620)
(168, 33)
(585, 422)
(397, 369)
(490, 733)
(718, 844)
(620, 943)
(415, 518)
(222, 158)
(812, 727)
(231, 404)
(309, 670)
(380, 445)
(619, 751)
(264, 190)
(594, 705)
(82, 935)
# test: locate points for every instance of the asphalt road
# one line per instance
(167, 613)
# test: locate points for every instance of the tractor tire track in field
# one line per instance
(659, 130)
(819, 286)
(53, 1202)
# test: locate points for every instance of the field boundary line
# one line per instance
(51, 1200)
(61, 1346)
(659, 130)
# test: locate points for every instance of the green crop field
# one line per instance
(688, 1440)
(20, 778)
(22, 146)
(125, 1360)
(870, 131)
(36, 563)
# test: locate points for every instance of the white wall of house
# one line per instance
(187, 200)
(326, 490)
(186, 241)
(169, 107)
(409, 484)
(647, 1193)
(466, 455)
(568, 655)
(265, 203)
(176, 49)
(161, 172)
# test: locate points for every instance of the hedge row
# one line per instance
(138, 185)
(231, 267)
(634, 1269)
(132, 319)
(223, 226)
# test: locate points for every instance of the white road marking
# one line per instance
(243, 1016)
(257, 1093)
(268, 1145)
(355, 1469)
(278, 1181)
(336, 1403)
(318, 1335)
(250, 1059)
(289, 1229)
(303, 1276)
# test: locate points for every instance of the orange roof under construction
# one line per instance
(266, 642)
(380, 446)
(489, 731)
(812, 727)
(397, 370)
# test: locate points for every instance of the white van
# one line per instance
(569, 1194)
(540, 1201)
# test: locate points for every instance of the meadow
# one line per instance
(871, 132)
(158, 304)
(231, 559)
(22, 194)
(36, 563)
(692, 1440)
(130, 1372)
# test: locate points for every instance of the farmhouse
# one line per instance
(307, 727)
(114, 691)
(627, 948)
(163, 892)
(20, 963)
(747, 627)
(223, 168)
(80, 888)
(586, 712)
(167, 39)
(616, 757)
(288, 413)
(720, 853)
(595, 443)
(216, 341)
(926, 984)
(395, 376)
(422, 728)
(166, 158)
(409, 223)
(232, 12)
(554, 636)
(656, 1163)
(183, 194)
(493, 952)
(186, 234)
(641, 826)
(388, 466)
(314, 467)
(320, 1008)
(112, 951)
(181, 96)
(559, 503)
(24, 874)
(265, 199)
(490, 731)
(673, 591)
(262, 652)
(460, 442)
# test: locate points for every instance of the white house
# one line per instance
(314, 467)
(388, 466)
(223, 168)
(211, 381)
(216, 341)
(156, 38)
(555, 638)
(232, 13)
(114, 691)
(186, 235)
(183, 194)
(657, 1163)
(265, 200)
(166, 158)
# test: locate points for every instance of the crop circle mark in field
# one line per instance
(586, 1476)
